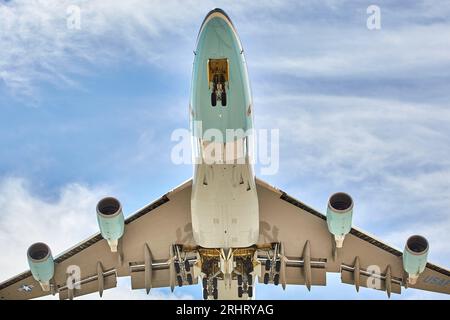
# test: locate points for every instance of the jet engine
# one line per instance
(111, 221)
(41, 264)
(339, 216)
(415, 257)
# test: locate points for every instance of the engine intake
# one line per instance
(111, 221)
(41, 264)
(339, 216)
(415, 257)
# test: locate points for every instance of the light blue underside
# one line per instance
(217, 40)
(42, 271)
(339, 223)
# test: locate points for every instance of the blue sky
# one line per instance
(90, 112)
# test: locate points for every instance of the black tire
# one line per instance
(223, 98)
(215, 294)
(189, 278)
(177, 266)
(180, 281)
(205, 283)
(213, 99)
(250, 279)
(278, 266)
(250, 291)
(205, 294)
(239, 279)
(276, 279)
(187, 266)
(240, 292)
(266, 278)
(215, 282)
(268, 264)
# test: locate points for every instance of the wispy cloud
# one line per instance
(391, 154)
(27, 218)
(41, 49)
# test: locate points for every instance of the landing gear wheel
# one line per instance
(213, 99)
(240, 292)
(266, 278)
(223, 98)
(215, 294)
(205, 294)
(276, 279)
(250, 279)
(180, 281)
(189, 278)
(187, 266)
(239, 279)
(177, 267)
(278, 266)
(205, 282)
(250, 291)
(268, 264)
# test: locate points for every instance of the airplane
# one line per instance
(224, 227)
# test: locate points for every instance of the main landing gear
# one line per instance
(272, 265)
(210, 288)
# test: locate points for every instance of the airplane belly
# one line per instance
(224, 208)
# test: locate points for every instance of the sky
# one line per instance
(88, 112)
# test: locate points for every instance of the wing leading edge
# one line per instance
(144, 253)
(309, 250)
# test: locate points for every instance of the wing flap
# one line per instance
(296, 275)
(90, 285)
(378, 282)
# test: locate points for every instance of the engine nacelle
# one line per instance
(111, 221)
(41, 264)
(339, 216)
(415, 257)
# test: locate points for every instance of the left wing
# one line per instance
(145, 252)
(308, 250)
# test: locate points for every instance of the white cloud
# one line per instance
(41, 49)
(393, 155)
(350, 138)
(26, 218)
(351, 51)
